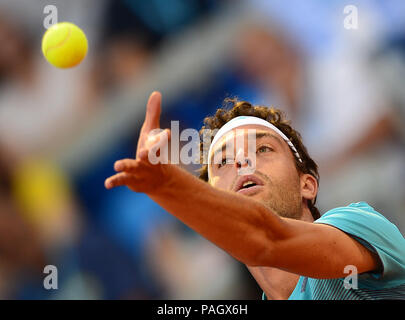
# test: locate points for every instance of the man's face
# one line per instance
(259, 165)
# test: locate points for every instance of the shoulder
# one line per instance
(360, 219)
(359, 215)
(375, 232)
(355, 208)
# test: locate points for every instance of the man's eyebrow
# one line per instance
(264, 134)
(259, 135)
(219, 150)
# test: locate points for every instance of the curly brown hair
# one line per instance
(233, 108)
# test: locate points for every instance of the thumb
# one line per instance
(157, 137)
(155, 142)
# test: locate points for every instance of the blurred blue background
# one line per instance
(62, 130)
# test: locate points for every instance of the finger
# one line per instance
(153, 109)
(158, 140)
(152, 118)
(127, 165)
(155, 144)
(143, 154)
(119, 179)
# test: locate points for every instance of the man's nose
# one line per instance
(242, 161)
(246, 162)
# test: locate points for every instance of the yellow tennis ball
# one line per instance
(64, 45)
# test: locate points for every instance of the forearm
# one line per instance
(241, 226)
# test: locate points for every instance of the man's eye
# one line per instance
(263, 149)
(224, 162)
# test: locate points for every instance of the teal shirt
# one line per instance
(373, 230)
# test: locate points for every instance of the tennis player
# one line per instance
(266, 217)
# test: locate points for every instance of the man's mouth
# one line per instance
(248, 184)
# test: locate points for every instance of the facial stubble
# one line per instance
(282, 197)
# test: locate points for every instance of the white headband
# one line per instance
(245, 120)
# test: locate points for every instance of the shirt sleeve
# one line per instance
(376, 233)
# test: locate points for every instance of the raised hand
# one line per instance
(139, 174)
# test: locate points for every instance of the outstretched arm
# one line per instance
(243, 227)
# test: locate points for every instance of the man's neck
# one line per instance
(278, 284)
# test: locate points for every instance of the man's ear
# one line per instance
(309, 186)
